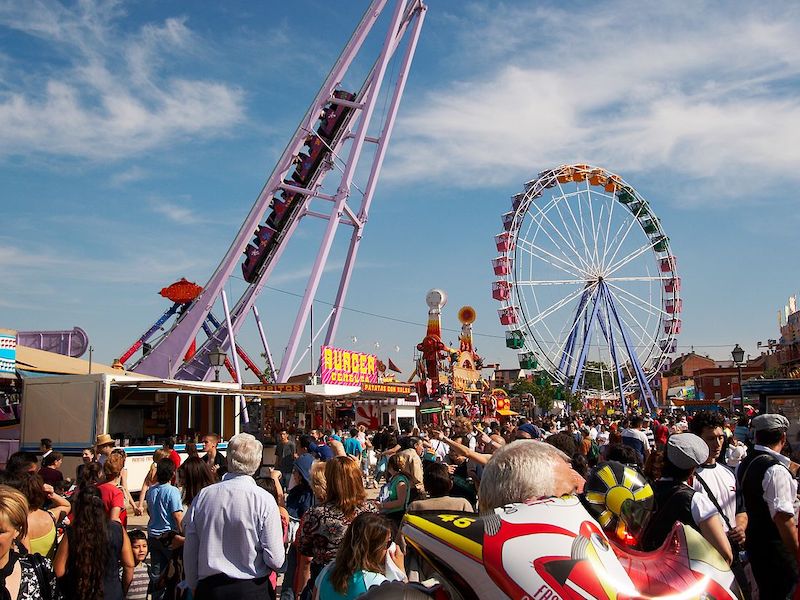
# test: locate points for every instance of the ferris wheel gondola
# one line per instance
(587, 282)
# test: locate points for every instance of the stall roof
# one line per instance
(196, 387)
(41, 361)
(504, 412)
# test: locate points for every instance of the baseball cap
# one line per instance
(529, 429)
(303, 466)
(686, 450)
(770, 421)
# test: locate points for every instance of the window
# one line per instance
(715, 382)
(717, 396)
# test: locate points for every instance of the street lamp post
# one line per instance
(738, 357)
(217, 358)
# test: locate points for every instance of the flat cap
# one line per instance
(770, 421)
(686, 450)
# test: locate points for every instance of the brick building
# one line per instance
(505, 378)
(681, 371)
(723, 382)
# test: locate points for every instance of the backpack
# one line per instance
(594, 452)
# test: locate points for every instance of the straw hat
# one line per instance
(103, 440)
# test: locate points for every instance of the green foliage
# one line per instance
(592, 379)
(543, 391)
(776, 372)
(267, 371)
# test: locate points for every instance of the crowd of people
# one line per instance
(225, 526)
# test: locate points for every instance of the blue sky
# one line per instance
(136, 136)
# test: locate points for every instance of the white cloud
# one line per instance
(702, 90)
(116, 96)
(174, 212)
(127, 176)
(17, 263)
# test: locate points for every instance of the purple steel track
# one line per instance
(166, 358)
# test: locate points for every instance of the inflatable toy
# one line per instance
(553, 549)
(621, 500)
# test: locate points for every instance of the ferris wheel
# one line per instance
(588, 285)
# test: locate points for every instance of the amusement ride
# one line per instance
(341, 135)
(588, 285)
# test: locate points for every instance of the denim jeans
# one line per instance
(159, 560)
(287, 589)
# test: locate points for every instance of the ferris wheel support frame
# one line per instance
(644, 386)
(601, 296)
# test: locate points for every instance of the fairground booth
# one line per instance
(350, 391)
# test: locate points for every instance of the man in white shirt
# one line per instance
(714, 480)
(636, 439)
(677, 501)
(770, 492)
(233, 531)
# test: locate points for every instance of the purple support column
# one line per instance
(341, 197)
(617, 366)
(267, 353)
(231, 339)
(383, 143)
(569, 347)
(587, 338)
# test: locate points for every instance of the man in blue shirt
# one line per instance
(352, 446)
(166, 513)
(234, 537)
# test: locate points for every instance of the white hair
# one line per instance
(244, 454)
(519, 471)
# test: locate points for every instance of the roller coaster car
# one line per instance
(278, 214)
(256, 252)
(552, 548)
(334, 116)
(252, 261)
(308, 163)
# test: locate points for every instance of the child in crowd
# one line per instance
(138, 589)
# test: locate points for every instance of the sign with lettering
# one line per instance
(347, 367)
(400, 389)
(296, 388)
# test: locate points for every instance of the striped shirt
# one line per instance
(140, 583)
(651, 438)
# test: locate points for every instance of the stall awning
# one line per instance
(41, 361)
(504, 412)
(191, 387)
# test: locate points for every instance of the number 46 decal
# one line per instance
(457, 521)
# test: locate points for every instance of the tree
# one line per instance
(776, 372)
(592, 379)
(543, 392)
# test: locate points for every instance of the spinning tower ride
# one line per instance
(326, 149)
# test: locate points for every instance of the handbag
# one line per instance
(741, 568)
(41, 576)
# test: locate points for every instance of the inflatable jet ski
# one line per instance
(553, 549)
